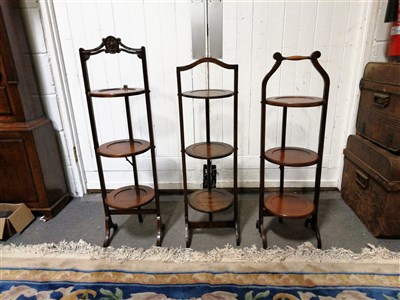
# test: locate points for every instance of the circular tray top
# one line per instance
(123, 148)
(209, 150)
(130, 197)
(210, 201)
(208, 94)
(295, 101)
(289, 206)
(292, 156)
(116, 92)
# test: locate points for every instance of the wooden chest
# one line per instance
(371, 186)
(379, 109)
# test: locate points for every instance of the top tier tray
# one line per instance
(123, 148)
(208, 94)
(210, 150)
(116, 92)
(295, 101)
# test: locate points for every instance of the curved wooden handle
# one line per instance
(313, 56)
(297, 57)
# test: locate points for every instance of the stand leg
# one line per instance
(314, 226)
(238, 239)
(160, 231)
(140, 217)
(262, 231)
(187, 234)
(316, 229)
(236, 218)
(109, 224)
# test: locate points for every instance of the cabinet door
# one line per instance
(16, 180)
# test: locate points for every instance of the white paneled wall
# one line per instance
(252, 32)
(53, 89)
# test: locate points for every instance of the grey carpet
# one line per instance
(83, 218)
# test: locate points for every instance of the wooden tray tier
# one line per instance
(292, 156)
(210, 201)
(123, 148)
(289, 205)
(130, 197)
(208, 94)
(210, 150)
(116, 92)
(295, 101)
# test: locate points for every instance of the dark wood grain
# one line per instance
(116, 92)
(287, 205)
(211, 150)
(210, 201)
(292, 156)
(123, 148)
(208, 94)
(130, 197)
(295, 101)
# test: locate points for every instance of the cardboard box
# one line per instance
(14, 218)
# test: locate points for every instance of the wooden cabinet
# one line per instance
(30, 165)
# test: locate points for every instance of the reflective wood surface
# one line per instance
(290, 206)
(123, 148)
(211, 200)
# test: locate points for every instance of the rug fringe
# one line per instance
(304, 252)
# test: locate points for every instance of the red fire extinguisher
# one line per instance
(394, 42)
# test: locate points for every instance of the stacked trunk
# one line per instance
(371, 175)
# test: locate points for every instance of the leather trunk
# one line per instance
(371, 186)
(379, 107)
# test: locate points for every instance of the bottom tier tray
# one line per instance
(130, 197)
(210, 201)
(288, 205)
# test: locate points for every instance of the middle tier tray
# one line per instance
(210, 201)
(292, 156)
(116, 92)
(208, 94)
(295, 101)
(130, 197)
(123, 148)
(210, 150)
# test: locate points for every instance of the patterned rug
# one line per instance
(81, 271)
